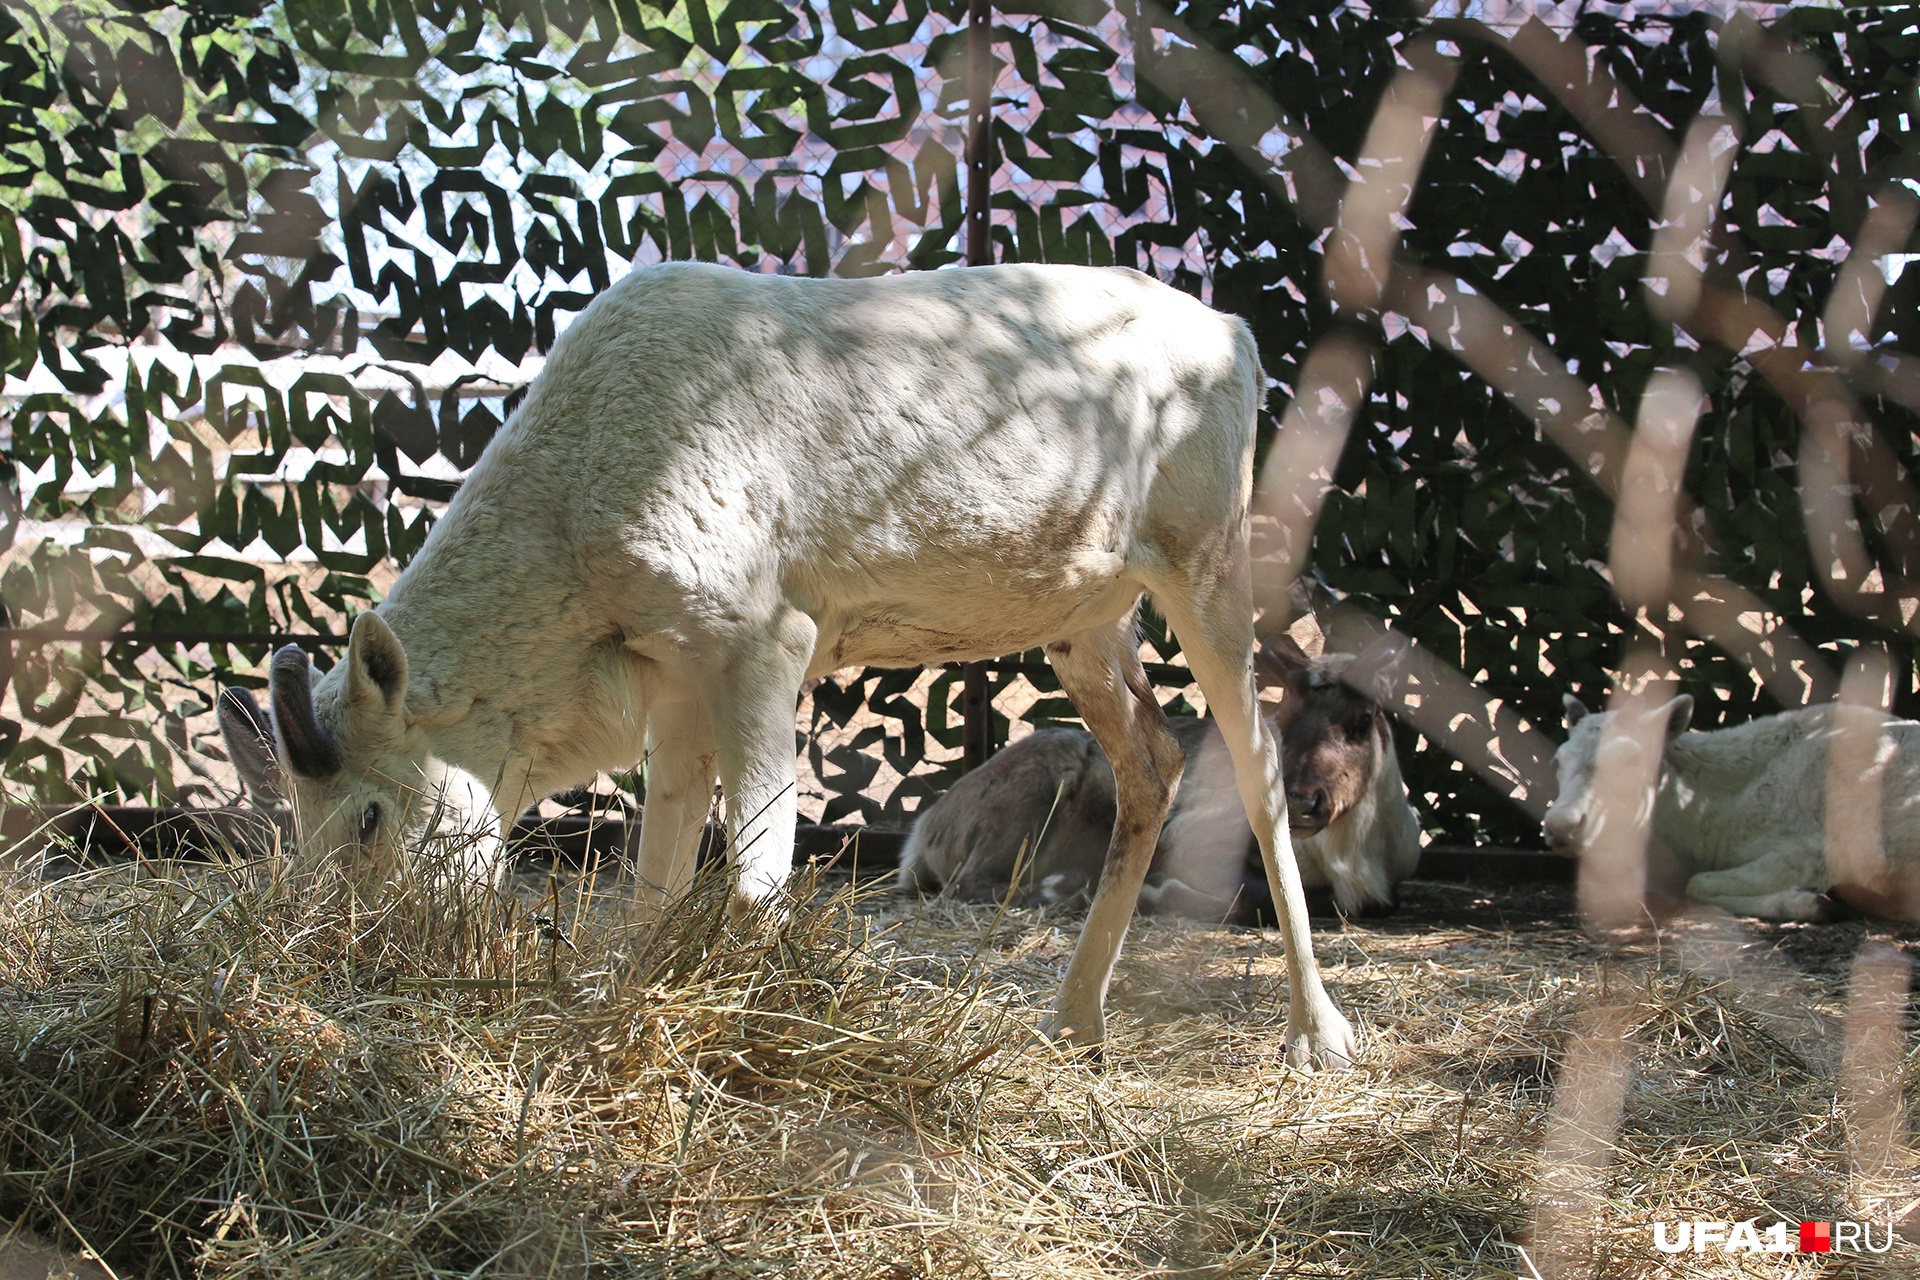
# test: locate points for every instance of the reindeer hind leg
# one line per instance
(1207, 597)
(1100, 670)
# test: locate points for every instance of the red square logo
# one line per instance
(1816, 1237)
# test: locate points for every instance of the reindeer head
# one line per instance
(343, 751)
(1333, 736)
(1601, 749)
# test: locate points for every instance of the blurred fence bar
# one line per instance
(976, 703)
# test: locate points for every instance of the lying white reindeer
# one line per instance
(723, 484)
(1049, 799)
(1744, 811)
(445, 804)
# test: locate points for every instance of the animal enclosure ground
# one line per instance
(228, 1072)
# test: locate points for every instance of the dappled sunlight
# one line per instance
(1658, 477)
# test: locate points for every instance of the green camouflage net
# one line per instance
(271, 275)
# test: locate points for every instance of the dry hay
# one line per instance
(234, 1071)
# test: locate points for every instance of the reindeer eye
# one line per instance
(369, 823)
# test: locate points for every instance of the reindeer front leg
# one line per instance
(680, 772)
(1784, 882)
(751, 693)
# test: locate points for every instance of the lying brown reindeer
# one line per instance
(1044, 808)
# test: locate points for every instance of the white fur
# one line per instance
(459, 821)
(447, 811)
(1745, 811)
(723, 484)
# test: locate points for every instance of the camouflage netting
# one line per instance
(272, 274)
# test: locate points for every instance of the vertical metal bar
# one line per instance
(976, 718)
(976, 707)
(979, 132)
(10, 730)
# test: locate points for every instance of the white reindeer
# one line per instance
(723, 484)
(1764, 818)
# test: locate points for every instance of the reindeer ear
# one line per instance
(376, 675)
(1383, 675)
(303, 743)
(1279, 659)
(248, 735)
(1576, 710)
(1679, 714)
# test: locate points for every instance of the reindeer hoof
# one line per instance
(1071, 1036)
(1325, 1041)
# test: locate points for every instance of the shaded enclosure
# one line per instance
(1591, 347)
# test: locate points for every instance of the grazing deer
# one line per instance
(722, 484)
(1048, 801)
(443, 804)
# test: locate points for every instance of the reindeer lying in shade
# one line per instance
(1774, 818)
(1043, 809)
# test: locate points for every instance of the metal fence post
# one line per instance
(976, 708)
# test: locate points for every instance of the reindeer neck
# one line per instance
(489, 627)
